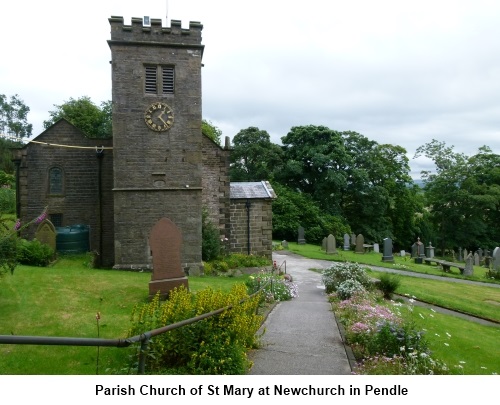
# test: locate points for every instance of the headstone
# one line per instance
(46, 234)
(376, 248)
(430, 251)
(347, 242)
(331, 245)
(465, 254)
(388, 257)
(402, 253)
(323, 244)
(460, 254)
(476, 259)
(301, 240)
(353, 239)
(496, 259)
(284, 243)
(414, 250)
(469, 265)
(480, 253)
(360, 241)
(165, 242)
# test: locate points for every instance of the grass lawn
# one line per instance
(63, 300)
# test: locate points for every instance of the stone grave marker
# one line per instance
(476, 259)
(347, 242)
(331, 245)
(353, 239)
(469, 265)
(301, 240)
(481, 254)
(46, 233)
(496, 259)
(376, 248)
(284, 243)
(402, 253)
(165, 241)
(360, 241)
(460, 254)
(465, 254)
(388, 256)
(323, 244)
(430, 251)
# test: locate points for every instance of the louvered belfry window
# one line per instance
(159, 80)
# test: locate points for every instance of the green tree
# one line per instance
(462, 196)
(95, 121)
(254, 157)
(14, 117)
(210, 130)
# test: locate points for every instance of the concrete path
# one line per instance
(301, 336)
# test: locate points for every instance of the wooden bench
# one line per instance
(445, 265)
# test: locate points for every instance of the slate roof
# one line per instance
(251, 190)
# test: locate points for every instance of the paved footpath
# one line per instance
(301, 336)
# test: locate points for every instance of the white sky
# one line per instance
(398, 72)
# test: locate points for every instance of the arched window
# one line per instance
(55, 180)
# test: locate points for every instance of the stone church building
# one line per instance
(157, 165)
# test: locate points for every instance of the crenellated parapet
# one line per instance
(155, 32)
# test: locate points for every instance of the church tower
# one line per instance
(157, 138)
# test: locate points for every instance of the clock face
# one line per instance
(159, 117)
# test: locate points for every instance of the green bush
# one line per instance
(275, 287)
(210, 239)
(34, 253)
(215, 345)
(388, 284)
(7, 200)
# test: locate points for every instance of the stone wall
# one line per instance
(257, 220)
(215, 183)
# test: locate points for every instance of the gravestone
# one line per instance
(165, 242)
(284, 243)
(417, 251)
(46, 234)
(469, 265)
(460, 254)
(476, 259)
(388, 257)
(402, 253)
(331, 245)
(465, 254)
(301, 240)
(347, 242)
(360, 241)
(353, 239)
(376, 248)
(430, 251)
(480, 253)
(323, 244)
(496, 259)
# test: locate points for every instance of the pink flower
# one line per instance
(17, 225)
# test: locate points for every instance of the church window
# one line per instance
(55, 180)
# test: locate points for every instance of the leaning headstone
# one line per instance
(476, 259)
(323, 244)
(496, 259)
(388, 257)
(376, 248)
(347, 242)
(165, 242)
(469, 265)
(301, 240)
(46, 234)
(331, 245)
(360, 241)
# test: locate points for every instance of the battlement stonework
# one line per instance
(155, 33)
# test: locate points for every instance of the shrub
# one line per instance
(336, 274)
(210, 239)
(276, 287)
(34, 253)
(7, 200)
(388, 284)
(215, 345)
(346, 289)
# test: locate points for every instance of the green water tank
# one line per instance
(73, 239)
